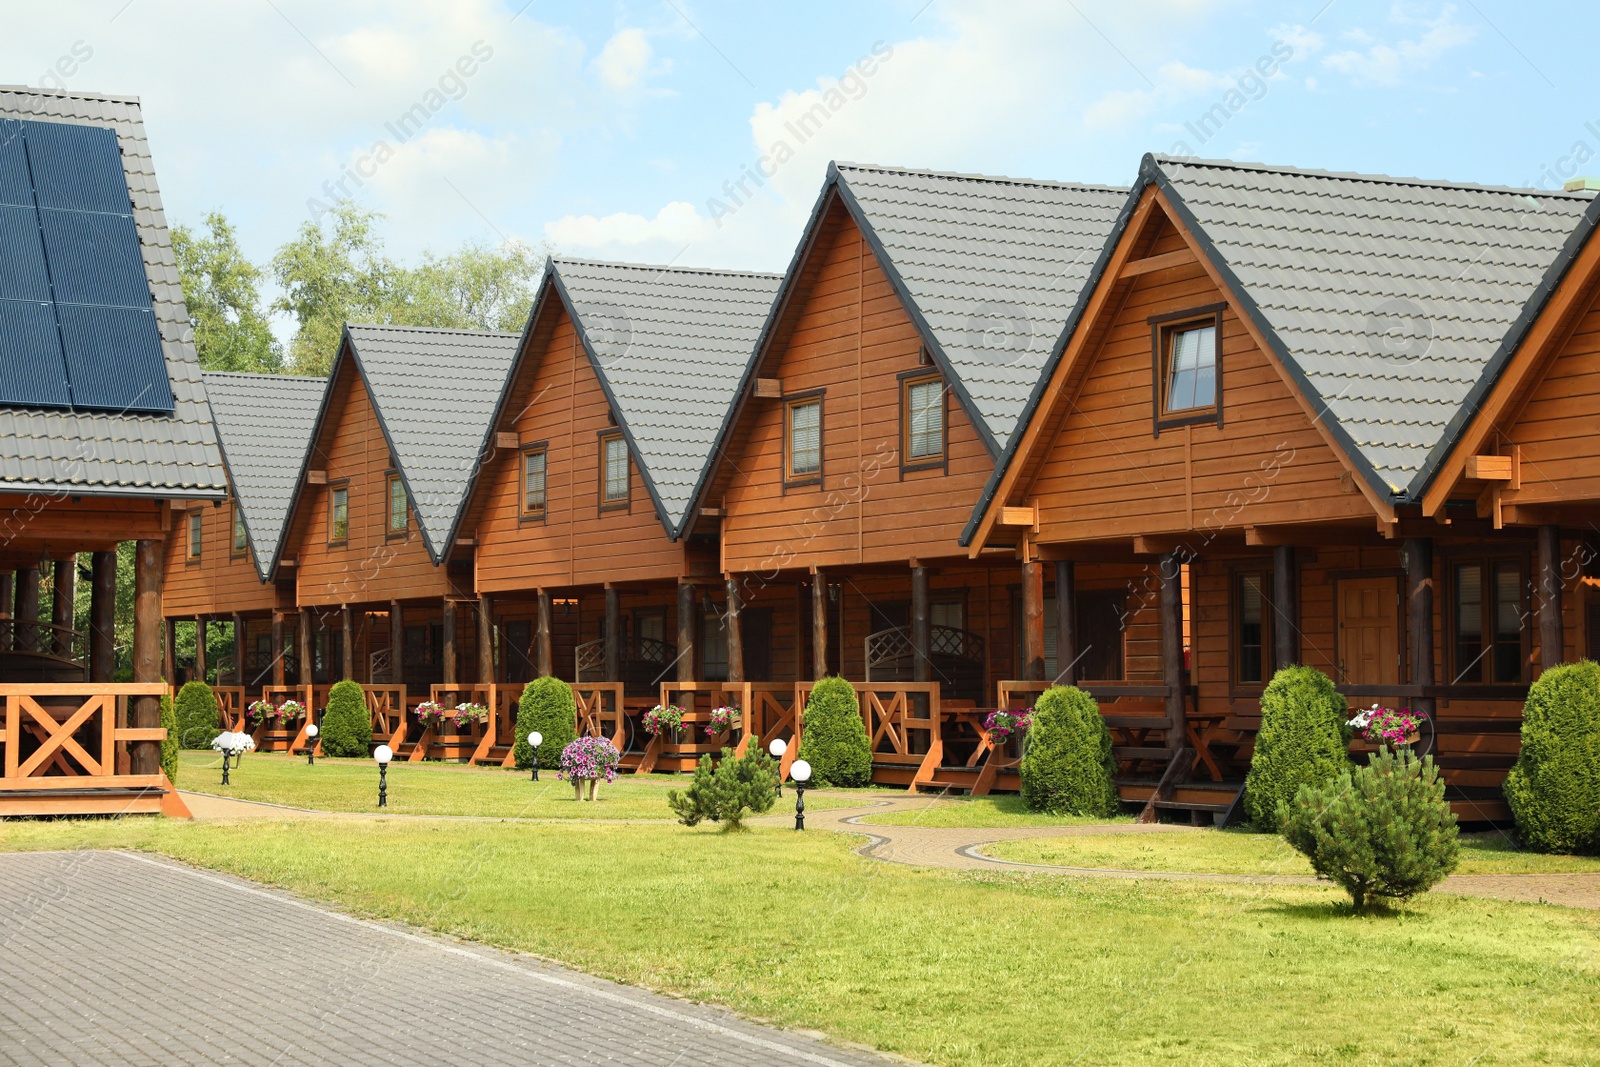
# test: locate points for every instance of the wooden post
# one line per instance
(819, 625)
(347, 643)
(27, 610)
(1418, 556)
(8, 598)
(1552, 641)
(144, 713)
(1033, 621)
(485, 641)
(1172, 646)
(200, 647)
(543, 660)
(731, 622)
(1285, 607)
(238, 649)
(303, 634)
(64, 590)
(103, 617)
(613, 634)
(450, 676)
(686, 648)
(279, 649)
(1066, 623)
(921, 626)
(169, 650)
(397, 644)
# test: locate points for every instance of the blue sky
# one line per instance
(615, 131)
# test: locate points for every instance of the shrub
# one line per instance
(346, 724)
(1383, 830)
(833, 737)
(1554, 789)
(547, 705)
(1303, 740)
(1067, 767)
(724, 791)
(169, 744)
(197, 719)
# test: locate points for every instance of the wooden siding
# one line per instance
(1555, 427)
(218, 583)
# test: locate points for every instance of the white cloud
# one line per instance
(1379, 63)
(625, 60)
(676, 223)
(1173, 82)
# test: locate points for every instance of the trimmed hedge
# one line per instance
(169, 744)
(1067, 768)
(346, 727)
(1303, 740)
(197, 718)
(833, 737)
(547, 705)
(1554, 789)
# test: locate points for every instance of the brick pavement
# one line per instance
(121, 958)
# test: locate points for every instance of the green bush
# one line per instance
(197, 717)
(547, 705)
(1383, 830)
(169, 744)
(833, 737)
(1554, 789)
(1067, 767)
(725, 790)
(346, 723)
(1303, 740)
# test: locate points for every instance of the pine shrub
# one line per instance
(725, 790)
(547, 705)
(347, 723)
(1383, 830)
(197, 716)
(169, 744)
(1303, 740)
(1554, 789)
(833, 737)
(1067, 768)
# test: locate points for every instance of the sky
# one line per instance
(698, 133)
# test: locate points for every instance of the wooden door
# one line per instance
(1369, 631)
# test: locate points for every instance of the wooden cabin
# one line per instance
(105, 437)
(1250, 401)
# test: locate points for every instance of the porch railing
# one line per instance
(477, 742)
(380, 666)
(956, 658)
(645, 662)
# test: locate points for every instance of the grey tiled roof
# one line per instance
(669, 346)
(119, 454)
(993, 267)
(264, 425)
(434, 391)
(1388, 297)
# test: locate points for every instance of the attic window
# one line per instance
(339, 514)
(802, 434)
(922, 421)
(1187, 367)
(613, 471)
(395, 491)
(241, 541)
(196, 530)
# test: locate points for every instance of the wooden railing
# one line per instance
(644, 662)
(766, 710)
(230, 706)
(380, 666)
(476, 743)
(956, 658)
(387, 706)
(44, 637)
(902, 721)
(601, 712)
(291, 735)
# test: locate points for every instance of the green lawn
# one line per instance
(956, 968)
(978, 812)
(1237, 852)
(433, 788)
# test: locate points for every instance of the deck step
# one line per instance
(1180, 805)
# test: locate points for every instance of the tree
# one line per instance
(329, 279)
(725, 790)
(477, 287)
(222, 290)
(833, 737)
(1067, 767)
(548, 706)
(196, 715)
(1554, 789)
(169, 743)
(1302, 741)
(346, 724)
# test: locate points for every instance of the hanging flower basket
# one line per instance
(1004, 726)
(724, 719)
(663, 720)
(265, 713)
(465, 715)
(432, 714)
(1378, 725)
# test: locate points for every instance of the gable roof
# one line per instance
(264, 426)
(113, 453)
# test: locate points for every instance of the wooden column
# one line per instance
(279, 649)
(1172, 645)
(103, 617)
(303, 635)
(63, 607)
(543, 660)
(450, 676)
(485, 641)
(347, 626)
(397, 644)
(27, 610)
(1418, 557)
(200, 647)
(819, 624)
(731, 622)
(1033, 621)
(1552, 641)
(1066, 623)
(8, 598)
(613, 634)
(1285, 607)
(169, 652)
(144, 713)
(686, 648)
(921, 626)
(238, 649)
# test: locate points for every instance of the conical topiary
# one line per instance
(548, 706)
(1303, 740)
(1067, 768)
(833, 737)
(346, 724)
(169, 744)
(196, 716)
(1554, 789)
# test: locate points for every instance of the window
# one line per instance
(196, 519)
(241, 540)
(803, 441)
(533, 470)
(1488, 622)
(922, 417)
(395, 492)
(1252, 635)
(338, 514)
(713, 644)
(1188, 372)
(613, 471)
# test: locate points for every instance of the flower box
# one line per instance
(724, 719)
(663, 720)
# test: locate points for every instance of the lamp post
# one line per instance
(311, 745)
(778, 747)
(535, 739)
(383, 754)
(800, 771)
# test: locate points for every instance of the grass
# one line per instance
(979, 812)
(1237, 852)
(432, 788)
(969, 969)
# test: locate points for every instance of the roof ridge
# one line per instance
(67, 94)
(664, 269)
(998, 179)
(1377, 179)
(254, 376)
(459, 332)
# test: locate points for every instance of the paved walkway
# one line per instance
(121, 958)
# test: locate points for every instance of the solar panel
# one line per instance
(114, 359)
(78, 168)
(16, 186)
(22, 270)
(32, 372)
(95, 259)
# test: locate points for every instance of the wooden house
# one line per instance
(1261, 380)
